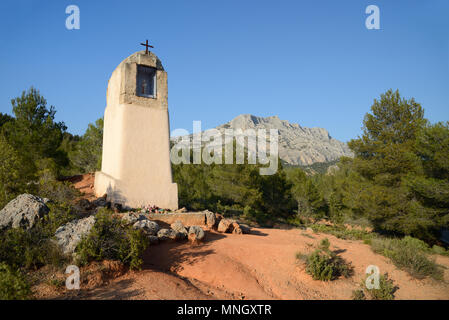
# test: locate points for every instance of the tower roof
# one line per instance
(149, 59)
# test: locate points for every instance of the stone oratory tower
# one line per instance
(136, 168)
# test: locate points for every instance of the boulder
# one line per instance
(218, 218)
(153, 239)
(196, 234)
(210, 219)
(235, 228)
(225, 225)
(23, 211)
(117, 207)
(179, 227)
(84, 205)
(170, 234)
(132, 217)
(101, 202)
(149, 227)
(246, 229)
(69, 235)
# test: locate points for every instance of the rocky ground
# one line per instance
(259, 263)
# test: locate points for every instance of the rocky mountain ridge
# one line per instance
(298, 146)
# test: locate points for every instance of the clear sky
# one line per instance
(312, 62)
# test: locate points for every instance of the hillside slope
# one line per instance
(261, 265)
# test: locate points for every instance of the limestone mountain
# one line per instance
(298, 146)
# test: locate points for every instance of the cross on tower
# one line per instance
(146, 46)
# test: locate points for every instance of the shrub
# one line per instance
(110, 239)
(342, 232)
(385, 291)
(33, 248)
(13, 285)
(59, 215)
(324, 264)
(58, 191)
(29, 249)
(409, 254)
(439, 250)
(86, 156)
(10, 172)
(358, 295)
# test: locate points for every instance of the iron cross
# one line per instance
(146, 46)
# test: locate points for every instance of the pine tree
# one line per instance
(86, 155)
(11, 180)
(34, 134)
(393, 160)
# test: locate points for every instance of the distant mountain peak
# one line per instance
(297, 145)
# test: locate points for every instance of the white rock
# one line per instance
(23, 211)
(69, 235)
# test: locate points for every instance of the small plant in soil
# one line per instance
(385, 291)
(324, 264)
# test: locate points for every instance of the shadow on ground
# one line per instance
(168, 256)
(119, 290)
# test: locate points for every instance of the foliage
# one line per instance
(319, 167)
(34, 248)
(58, 191)
(409, 254)
(11, 183)
(27, 248)
(13, 285)
(342, 232)
(324, 264)
(358, 295)
(385, 291)
(4, 118)
(34, 134)
(307, 195)
(431, 147)
(85, 155)
(110, 239)
(439, 250)
(399, 177)
(60, 214)
(234, 189)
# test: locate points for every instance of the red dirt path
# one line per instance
(261, 265)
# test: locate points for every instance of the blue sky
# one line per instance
(309, 62)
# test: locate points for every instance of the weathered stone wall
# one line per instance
(187, 218)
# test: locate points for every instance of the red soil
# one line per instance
(261, 265)
(256, 266)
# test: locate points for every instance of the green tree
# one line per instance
(432, 148)
(234, 188)
(34, 134)
(384, 152)
(276, 194)
(13, 285)
(193, 188)
(11, 182)
(394, 157)
(67, 147)
(86, 156)
(4, 118)
(306, 193)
